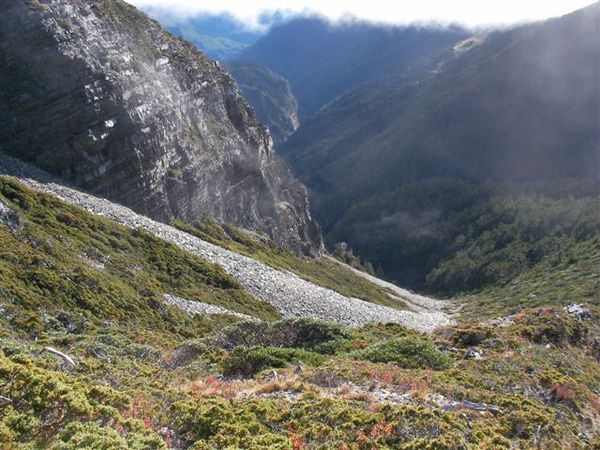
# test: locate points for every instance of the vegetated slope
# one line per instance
(59, 259)
(397, 169)
(92, 356)
(450, 242)
(101, 95)
(291, 295)
(216, 47)
(322, 60)
(569, 273)
(324, 271)
(270, 96)
(532, 380)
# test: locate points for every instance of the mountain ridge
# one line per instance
(219, 36)
(102, 96)
(322, 60)
(271, 97)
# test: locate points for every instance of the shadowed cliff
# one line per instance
(102, 96)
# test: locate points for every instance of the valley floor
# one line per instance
(416, 302)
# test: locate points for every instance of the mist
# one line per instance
(259, 14)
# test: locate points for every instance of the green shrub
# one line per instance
(44, 401)
(308, 334)
(89, 436)
(217, 423)
(551, 325)
(249, 361)
(408, 352)
(470, 336)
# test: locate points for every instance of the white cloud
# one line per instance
(472, 13)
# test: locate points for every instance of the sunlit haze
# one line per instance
(473, 13)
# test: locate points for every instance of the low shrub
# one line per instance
(551, 326)
(249, 361)
(464, 337)
(78, 435)
(193, 350)
(308, 334)
(409, 352)
(218, 423)
(48, 407)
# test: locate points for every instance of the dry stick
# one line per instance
(70, 361)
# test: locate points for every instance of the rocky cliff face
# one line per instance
(270, 95)
(102, 96)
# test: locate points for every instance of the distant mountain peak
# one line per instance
(322, 60)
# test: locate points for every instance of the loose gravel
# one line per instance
(199, 308)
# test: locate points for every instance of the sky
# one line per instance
(470, 13)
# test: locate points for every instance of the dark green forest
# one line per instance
(482, 169)
(451, 237)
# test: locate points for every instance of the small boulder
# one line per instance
(473, 353)
(579, 311)
(10, 218)
(273, 376)
(187, 353)
(74, 323)
(326, 379)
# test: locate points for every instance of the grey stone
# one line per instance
(198, 308)
(579, 311)
(10, 218)
(473, 353)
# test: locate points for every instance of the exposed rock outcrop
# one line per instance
(100, 95)
(10, 218)
(270, 95)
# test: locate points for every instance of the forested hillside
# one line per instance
(402, 171)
